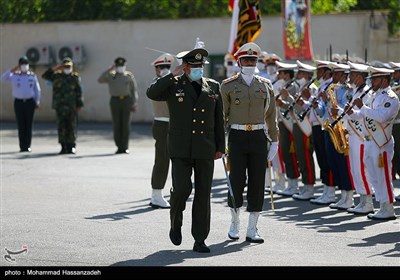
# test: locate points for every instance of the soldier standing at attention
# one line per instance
(67, 101)
(159, 175)
(123, 90)
(196, 138)
(378, 117)
(26, 92)
(249, 110)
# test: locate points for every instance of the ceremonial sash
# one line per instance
(381, 135)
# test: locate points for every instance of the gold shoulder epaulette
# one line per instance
(129, 73)
(262, 79)
(230, 79)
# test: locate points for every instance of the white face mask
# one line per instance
(24, 67)
(67, 71)
(301, 82)
(271, 69)
(121, 69)
(248, 70)
(164, 72)
(260, 66)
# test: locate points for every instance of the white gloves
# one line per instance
(273, 149)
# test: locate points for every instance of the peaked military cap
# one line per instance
(339, 67)
(164, 59)
(119, 61)
(285, 66)
(23, 60)
(379, 72)
(67, 61)
(271, 58)
(322, 64)
(248, 50)
(357, 67)
(196, 56)
(395, 65)
(305, 67)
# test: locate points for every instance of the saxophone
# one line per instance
(337, 132)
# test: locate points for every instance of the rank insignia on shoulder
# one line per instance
(387, 105)
(230, 79)
(237, 101)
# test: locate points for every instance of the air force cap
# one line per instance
(305, 67)
(379, 72)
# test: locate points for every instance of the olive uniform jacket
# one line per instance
(196, 127)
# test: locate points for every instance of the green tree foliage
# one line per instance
(13, 11)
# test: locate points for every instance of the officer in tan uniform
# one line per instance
(123, 90)
(196, 138)
(249, 110)
(159, 175)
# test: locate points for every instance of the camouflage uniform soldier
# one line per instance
(67, 101)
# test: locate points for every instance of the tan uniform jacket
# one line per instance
(254, 104)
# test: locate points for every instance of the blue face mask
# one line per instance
(196, 74)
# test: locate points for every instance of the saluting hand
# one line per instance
(178, 70)
(14, 68)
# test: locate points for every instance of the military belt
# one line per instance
(24, 99)
(121, 97)
(247, 127)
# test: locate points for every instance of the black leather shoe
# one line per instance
(26, 150)
(201, 247)
(175, 236)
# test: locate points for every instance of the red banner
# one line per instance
(246, 23)
(296, 29)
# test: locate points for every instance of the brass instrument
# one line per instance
(337, 132)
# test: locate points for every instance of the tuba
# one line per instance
(337, 132)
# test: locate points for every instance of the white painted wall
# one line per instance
(105, 40)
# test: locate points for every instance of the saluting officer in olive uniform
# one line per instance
(67, 101)
(249, 109)
(123, 90)
(195, 139)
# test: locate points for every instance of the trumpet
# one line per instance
(291, 106)
(348, 109)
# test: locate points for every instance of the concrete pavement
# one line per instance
(91, 209)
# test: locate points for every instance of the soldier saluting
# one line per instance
(195, 139)
(67, 101)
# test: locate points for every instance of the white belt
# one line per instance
(247, 127)
(162, 119)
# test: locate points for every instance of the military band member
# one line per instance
(324, 77)
(249, 110)
(122, 87)
(288, 87)
(378, 120)
(302, 131)
(196, 138)
(335, 94)
(26, 92)
(396, 124)
(160, 125)
(357, 132)
(67, 101)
